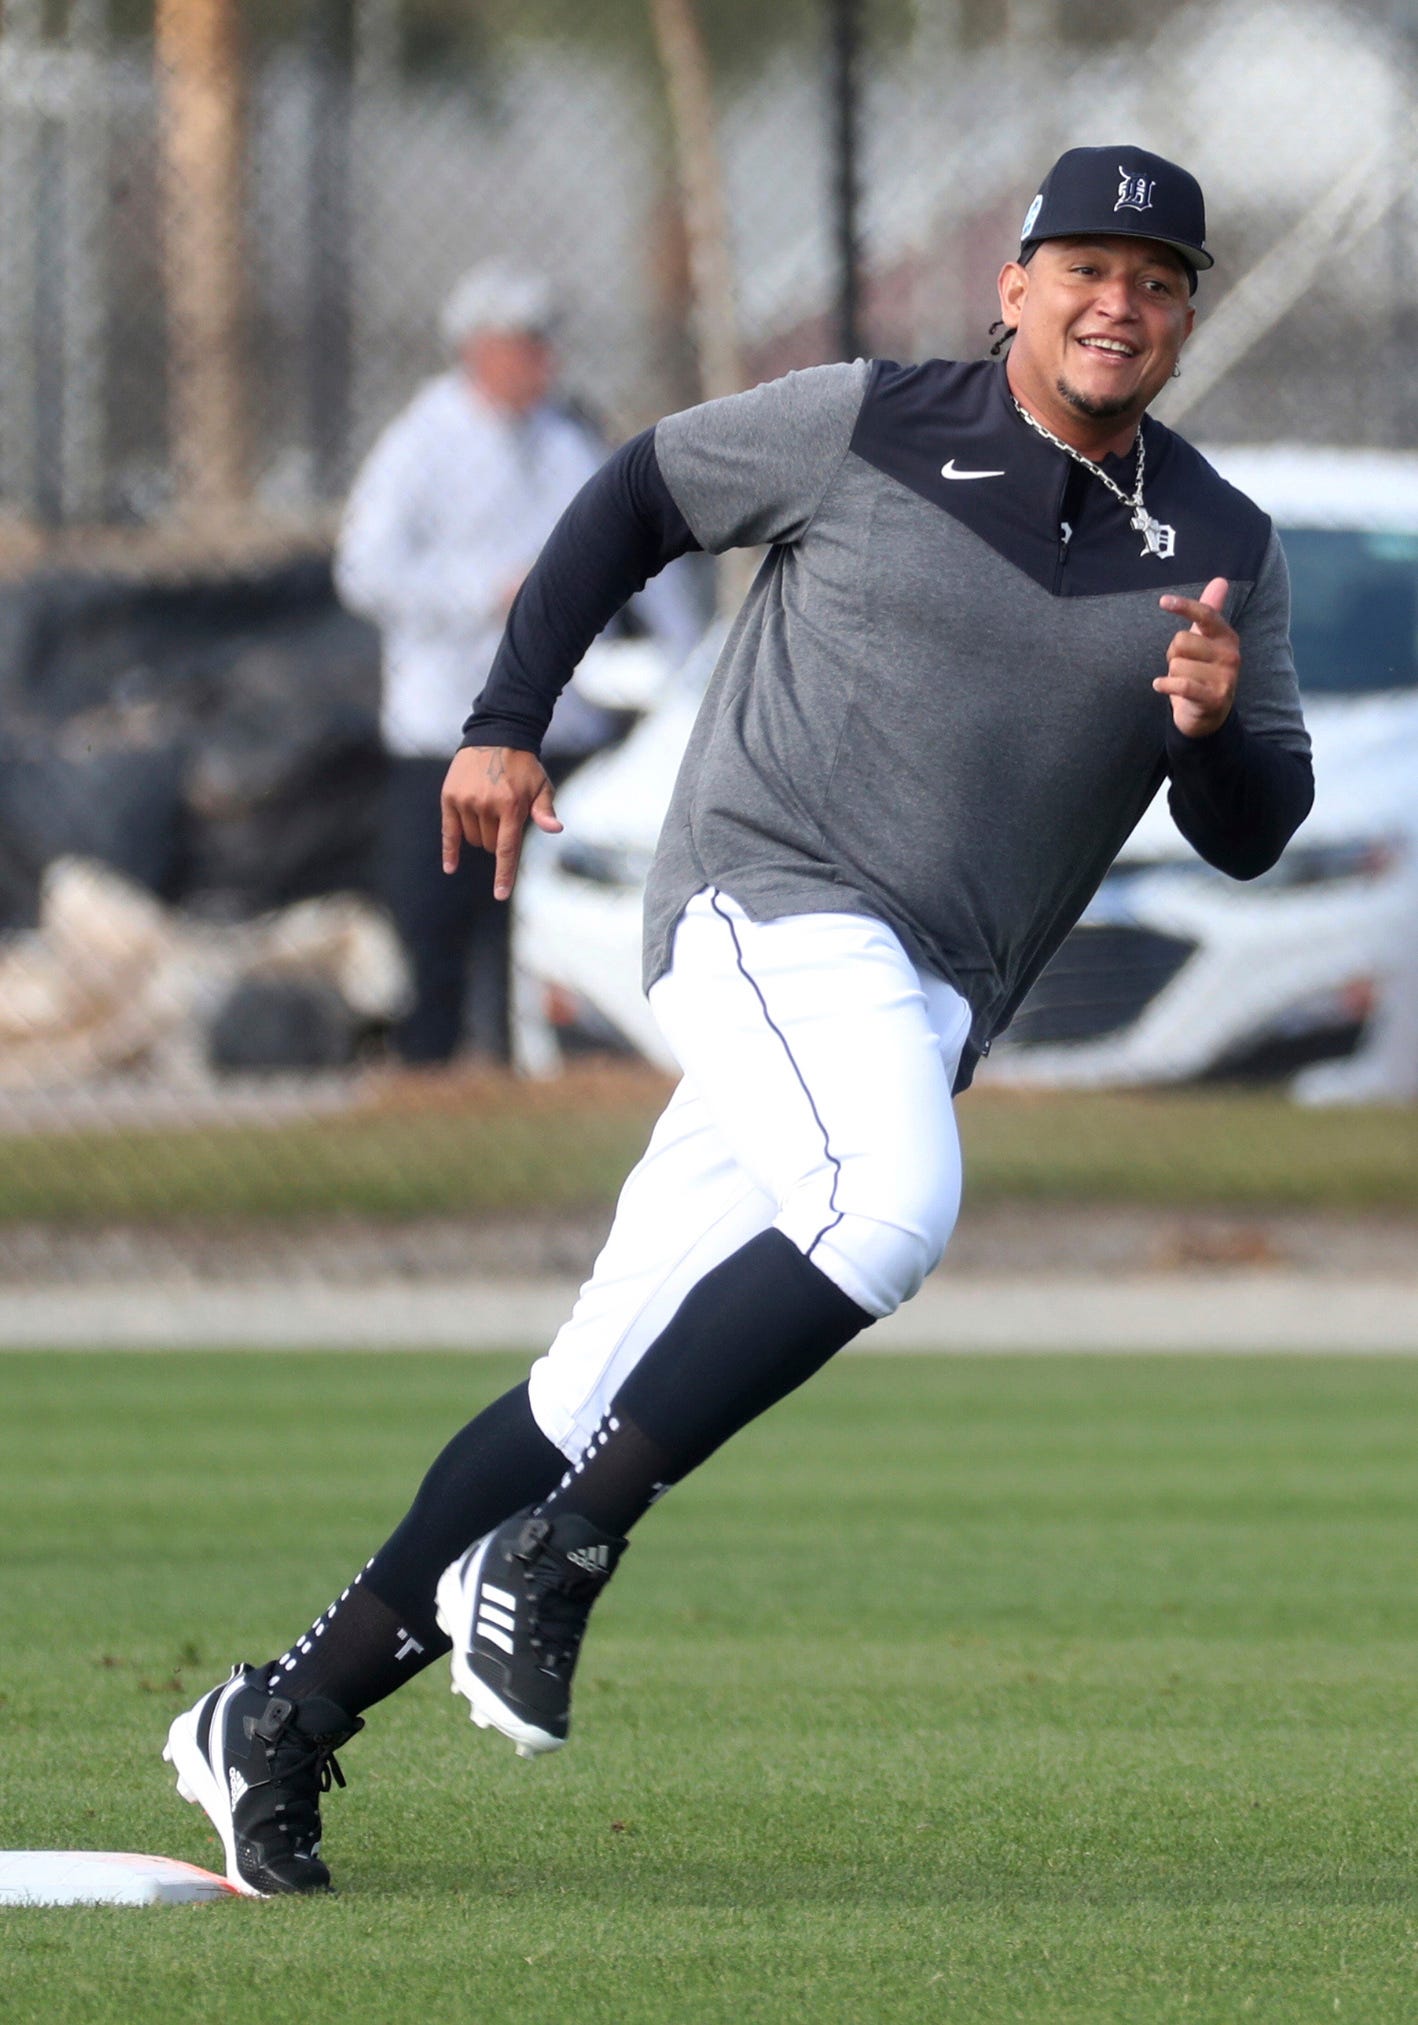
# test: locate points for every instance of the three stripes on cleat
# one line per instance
(455, 1687)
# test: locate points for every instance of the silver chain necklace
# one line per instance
(1157, 539)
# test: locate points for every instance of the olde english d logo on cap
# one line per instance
(1134, 192)
(1120, 192)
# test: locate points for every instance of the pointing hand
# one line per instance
(1203, 663)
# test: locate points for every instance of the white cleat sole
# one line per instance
(197, 1783)
(488, 1710)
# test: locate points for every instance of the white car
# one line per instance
(1175, 972)
(579, 896)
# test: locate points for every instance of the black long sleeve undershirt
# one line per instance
(1237, 798)
(620, 530)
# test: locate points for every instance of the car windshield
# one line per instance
(1354, 613)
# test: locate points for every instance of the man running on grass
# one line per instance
(1000, 606)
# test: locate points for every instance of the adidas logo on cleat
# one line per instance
(595, 1560)
(237, 1784)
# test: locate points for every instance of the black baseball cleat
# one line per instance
(515, 1607)
(257, 1765)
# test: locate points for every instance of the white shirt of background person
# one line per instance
(455, 501)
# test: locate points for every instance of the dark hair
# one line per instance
(1006, 330)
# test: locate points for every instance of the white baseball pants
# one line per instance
(818, 1063)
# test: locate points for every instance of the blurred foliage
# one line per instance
(461, 35)
(737, 32)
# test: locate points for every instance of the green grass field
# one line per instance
(964, 1689)
(474, 1144)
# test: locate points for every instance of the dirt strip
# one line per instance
(1018, 1276)
(999, 1241)
(1232, 1311)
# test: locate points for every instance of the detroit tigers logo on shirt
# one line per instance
(1134, 192)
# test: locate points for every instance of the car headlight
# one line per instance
(619, 865)
(1325, 864)
(1302, 866)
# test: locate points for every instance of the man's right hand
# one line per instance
(490, 793)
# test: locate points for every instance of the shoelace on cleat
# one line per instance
(559, 1597)
(309, 1766)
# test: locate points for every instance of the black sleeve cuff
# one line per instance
(517, 734)
(1184, 753)
(1237, 798)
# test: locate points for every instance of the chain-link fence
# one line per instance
(227, 234)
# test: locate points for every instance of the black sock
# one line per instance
(617, 1480)
(356, 1652)
(750, 1332)
(381, 1631)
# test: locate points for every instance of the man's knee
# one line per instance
(880, 1248)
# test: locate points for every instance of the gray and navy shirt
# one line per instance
(936, 705)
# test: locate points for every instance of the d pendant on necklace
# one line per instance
(1157, 539)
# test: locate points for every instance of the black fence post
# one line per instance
(1403, 238)
(330, 44)
(845, 40)
(50, 392)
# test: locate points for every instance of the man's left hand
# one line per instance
(1203, 663)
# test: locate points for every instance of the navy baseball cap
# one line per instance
(1120, 192)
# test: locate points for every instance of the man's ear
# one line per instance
(1013, 287)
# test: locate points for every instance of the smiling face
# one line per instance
(1098, 325)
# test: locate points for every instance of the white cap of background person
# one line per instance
(495, 296)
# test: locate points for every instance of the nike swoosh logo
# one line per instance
(949, 471)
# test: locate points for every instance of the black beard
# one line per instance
(1096, 411)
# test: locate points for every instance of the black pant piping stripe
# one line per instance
(832, 1158)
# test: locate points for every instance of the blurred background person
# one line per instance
(443, 522)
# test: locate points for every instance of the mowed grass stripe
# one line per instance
(1039, 1689)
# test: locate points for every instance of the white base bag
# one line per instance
(104, 1877)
